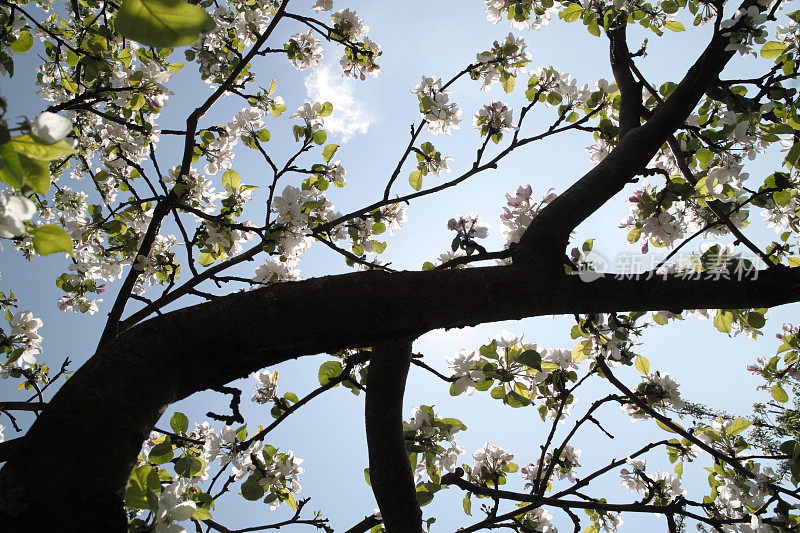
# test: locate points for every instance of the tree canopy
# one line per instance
(196, 219)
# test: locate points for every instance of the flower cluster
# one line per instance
(431, 442)
(468, 227)
(525, 373)
(435, 108)
(174, 506)
(521, 14)
(746, 28)
(236, 25)
(360, 56)
(503, 62)
(539, 520)
(23, 342)
(520, 212)
(564, 467)
(494, 120)
(656, 390)
(491, 464)
(661, 487)
(304, 51)
(267, 386)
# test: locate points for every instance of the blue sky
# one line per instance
(371, 120)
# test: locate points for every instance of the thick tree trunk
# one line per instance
(79, 453)
(390, 471)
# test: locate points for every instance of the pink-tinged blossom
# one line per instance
(520, 212)
(598, 151)
(632, 478)
(493, 119)
(304, 51)
(506, 58)
(358, 64)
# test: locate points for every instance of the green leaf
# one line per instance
(201, 514)
(326, 109)
(779, 394)
(143, 480)
(329, 370)
(161, 453)
(724, 320)
(320, 137)
(179, 423)
(23, 43)
(674, 25)
(188, 466)
(424, 497)
(665, 427)
(415, 179)
(581, 350)
(467, 504)
(251, 489)
(366, 477)
(531, 358)
(772, 49)
(206, 259)
(782, 198)
(231, 178)
(329, 151)
(31, 147)
(37, 173)
(642, 365)
(498, 393)
(508, 84)
(162, 23)
(10, 167)
(49, 239)
(571, 13)
(756, 320)
(737, 426)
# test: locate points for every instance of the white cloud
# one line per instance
(349, 116)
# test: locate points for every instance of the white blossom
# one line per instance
(14, 209)
(50, 127)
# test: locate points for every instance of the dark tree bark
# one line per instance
(390, 472)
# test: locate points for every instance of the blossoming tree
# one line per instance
(89, 177)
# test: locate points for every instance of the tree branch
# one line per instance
(390, 471)
(548, 235)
